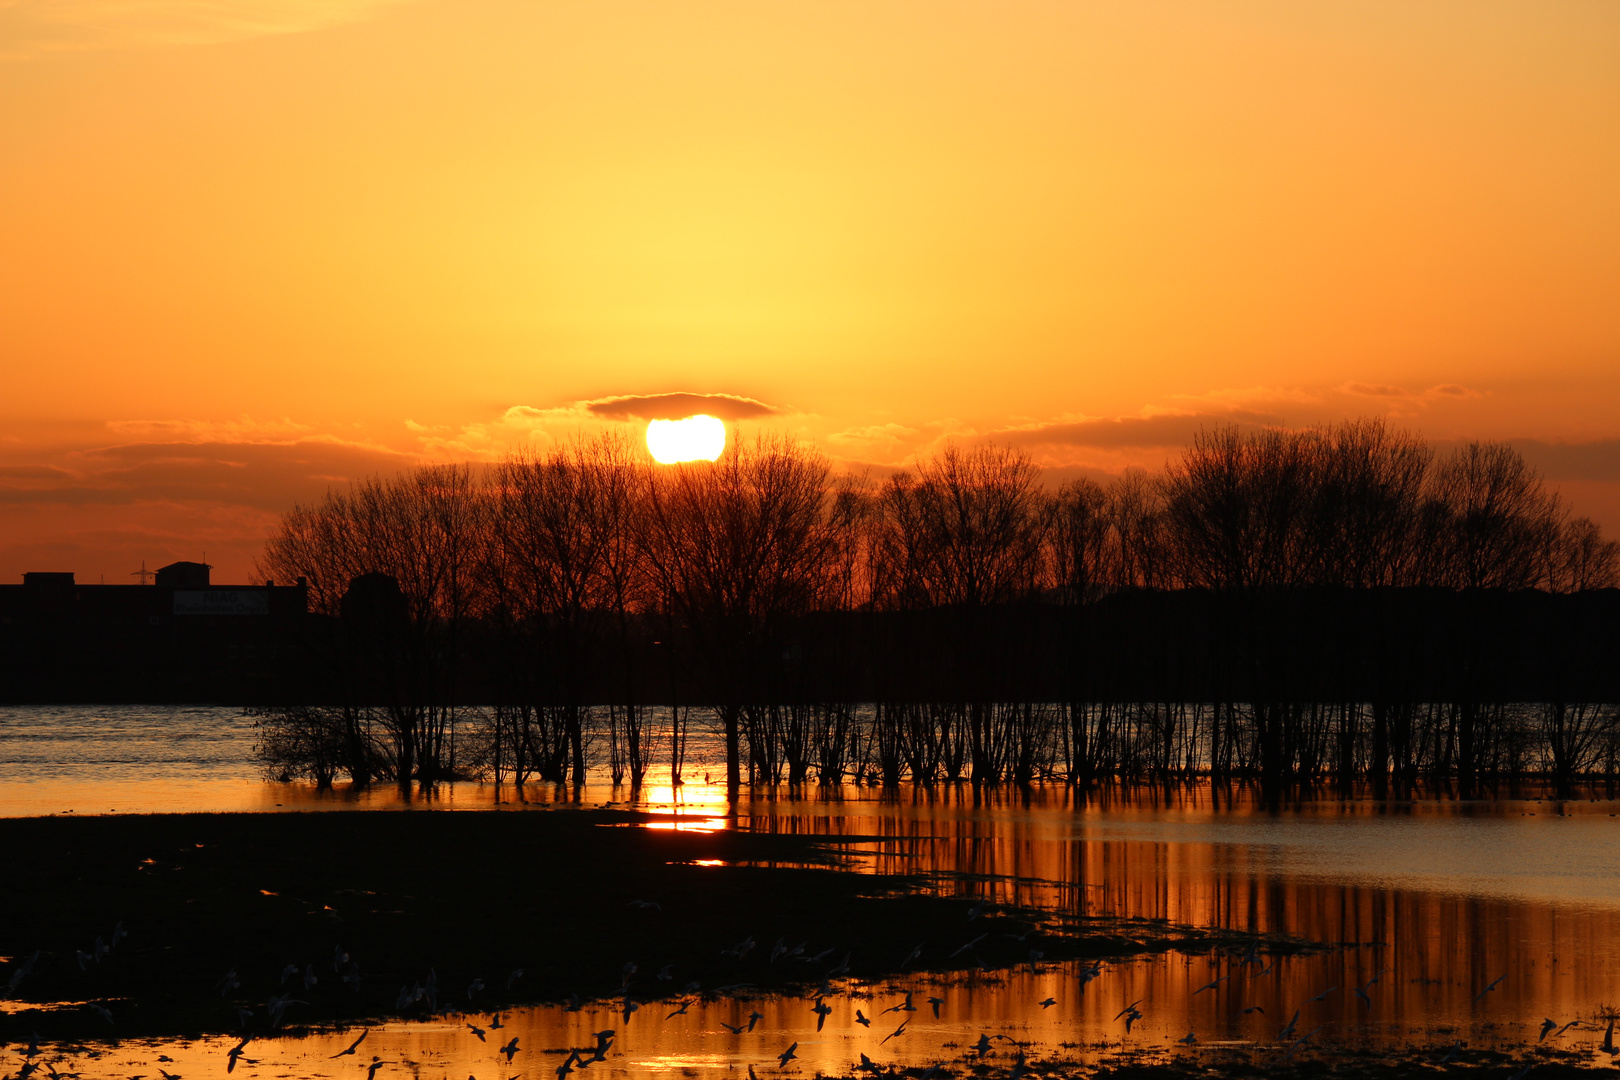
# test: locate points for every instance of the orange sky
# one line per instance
(253, 247)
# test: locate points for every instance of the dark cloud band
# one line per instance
(676, 406)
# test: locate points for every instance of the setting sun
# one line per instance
(696, 438)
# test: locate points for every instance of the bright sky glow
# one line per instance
(338, 238)
(697, 438)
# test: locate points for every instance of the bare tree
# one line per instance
(733, 549)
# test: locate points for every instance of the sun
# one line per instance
(696, 438)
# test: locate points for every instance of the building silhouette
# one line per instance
(182, 639)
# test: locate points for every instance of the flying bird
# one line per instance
(861, 1019)
(1489, 988)
(510, 1049)
(787, 1055)
(352, 1046)
(234, 1054)
(1048, 1003)
(936, 1003)
(897, 1031)
(478, 1031)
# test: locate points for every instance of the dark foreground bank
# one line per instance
(392, 914)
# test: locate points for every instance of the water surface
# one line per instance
(1435, 899)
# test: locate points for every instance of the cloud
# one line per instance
(1403, 395)
(269, 477)
(33, 472)
(243, 429)
(30, 27)
(1130, 432)
(676, 406)
(1597, 460)
(874, 437)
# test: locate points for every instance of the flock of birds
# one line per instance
(426, 995)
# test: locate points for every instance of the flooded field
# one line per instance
(1436, 922)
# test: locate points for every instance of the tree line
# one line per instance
(959, 619)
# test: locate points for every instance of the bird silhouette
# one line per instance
(821, 1010)
(352, 1046)
(1189, 1039)
(861, 1019)
(1546, 1026)
(510, 1049)
(897, 1031)
(1048, 1003)
(1488, 989)
(786, 1056)
(936, 1003)
(478, 1031)
(964, 948)
(235, 1053)
(1298, 1044)
(371, 1070)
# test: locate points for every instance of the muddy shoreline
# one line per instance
(396, 914)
